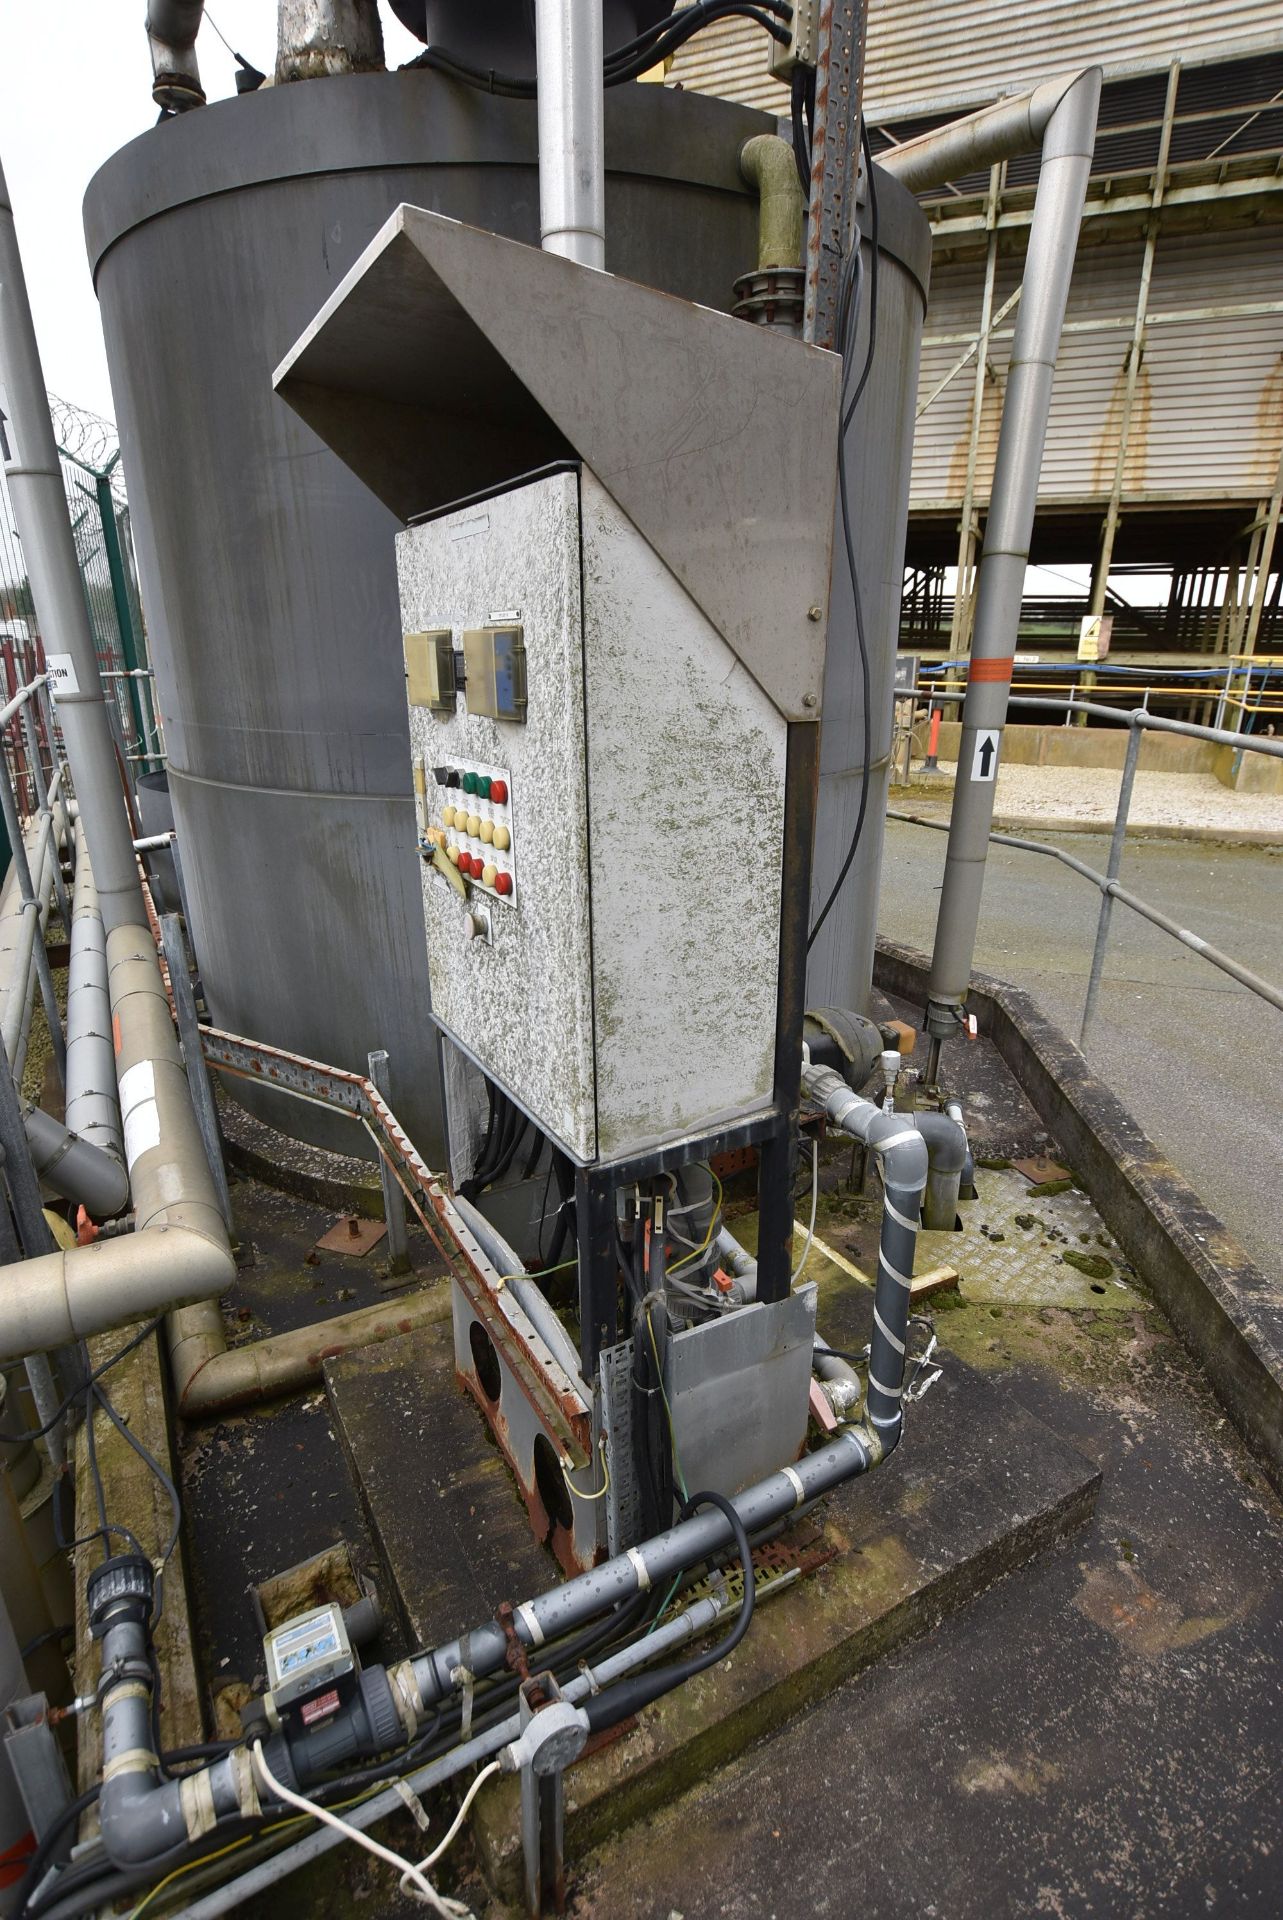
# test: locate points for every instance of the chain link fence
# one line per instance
(98, 509)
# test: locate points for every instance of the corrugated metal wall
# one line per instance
(1208, 416)
(926, 55)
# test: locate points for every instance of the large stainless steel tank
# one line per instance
(267, 570)
(879, 446)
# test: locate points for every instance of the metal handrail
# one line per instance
(1138, 722)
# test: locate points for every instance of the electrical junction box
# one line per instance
(611, 956)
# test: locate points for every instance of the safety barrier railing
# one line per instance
(1138, 722)
(1246, 686)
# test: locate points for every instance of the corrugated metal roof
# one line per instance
(1207, 423)
(928, 56)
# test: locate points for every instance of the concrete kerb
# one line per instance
(933, 801)
(1228, 1313)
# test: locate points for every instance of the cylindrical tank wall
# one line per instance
(268, 571)
(879, 449)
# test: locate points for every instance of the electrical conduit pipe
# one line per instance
(769, 165)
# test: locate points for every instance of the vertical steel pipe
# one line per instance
(40, 514)
(1067, 148)
(569, 55)
(1113, 866)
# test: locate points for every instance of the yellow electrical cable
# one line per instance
(540, 1275)
(603, 1489)
(706, 1242)
(234, 1846)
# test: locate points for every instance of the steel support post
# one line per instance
(198, 1080)
(835, 164)
(393, 1198)
(39, 503)
(44, 808)
(39, 951)
(1112, 868)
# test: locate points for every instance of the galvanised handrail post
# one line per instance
(1114, 863)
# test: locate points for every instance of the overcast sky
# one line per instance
(75, 84)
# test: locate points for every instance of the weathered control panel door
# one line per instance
(601, 822)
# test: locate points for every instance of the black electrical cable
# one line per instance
(623, 63)
(801, 85)
(848, 413)
(47, 1846)
(629, 1696)
(64, 1405)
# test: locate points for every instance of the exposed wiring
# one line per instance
(707, 1241)
(69, 1400)
(815, 1198)
(414, 1881)
(603, 1489)
(649, 49)
(850, 302)
(542, 1274)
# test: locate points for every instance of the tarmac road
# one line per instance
(1197, 1058)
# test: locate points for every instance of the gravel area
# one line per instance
(1196, 801)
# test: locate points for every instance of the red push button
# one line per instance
(499, 792)
(503, 883)
(465, 863)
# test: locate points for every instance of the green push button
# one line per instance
(469, 783)
(483, 785)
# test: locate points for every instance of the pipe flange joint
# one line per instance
(121, 1588)
(381, 1713)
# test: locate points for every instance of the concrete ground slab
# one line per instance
(451, 1529)
(978, 1488)
(1018, 1248)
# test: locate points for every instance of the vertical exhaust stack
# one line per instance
(319, 38)
(172, 26)
(569, 56)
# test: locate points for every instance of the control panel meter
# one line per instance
(429, 670)
(310, 1663)
(494, 665)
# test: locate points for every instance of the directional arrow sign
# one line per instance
(984, 765)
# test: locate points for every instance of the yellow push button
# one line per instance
(447, 814)
(474, 824)
(488, 873)
(452, 854)
(502, 839)
(487, 831)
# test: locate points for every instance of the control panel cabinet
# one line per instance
(600, 809)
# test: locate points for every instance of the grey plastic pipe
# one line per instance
(40, 514)
(18, 932)
(947, 1157)
(179, 1251)
(902, 1150)
(1068, 141)
(569, 57)
(73, 1167)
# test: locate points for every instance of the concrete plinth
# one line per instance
(978, 1487)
